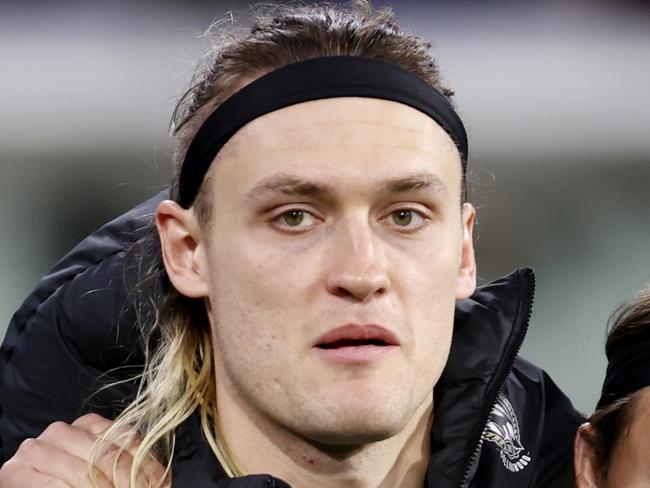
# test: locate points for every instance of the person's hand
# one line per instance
(59, 458)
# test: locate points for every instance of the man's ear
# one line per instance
(466, 283)
(586, 462)
(183, 249)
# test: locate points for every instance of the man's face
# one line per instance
(336, 215)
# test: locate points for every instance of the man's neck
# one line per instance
(400, 461)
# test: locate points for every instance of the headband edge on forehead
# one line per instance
(313, 79)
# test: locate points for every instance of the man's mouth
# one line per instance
(357, 343)
(352, 343)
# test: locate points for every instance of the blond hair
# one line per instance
(178, 377)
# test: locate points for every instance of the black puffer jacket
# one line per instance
(499, 421)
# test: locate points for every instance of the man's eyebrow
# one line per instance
(415, 181)
(288, 185)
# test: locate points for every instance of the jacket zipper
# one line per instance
(528, 296)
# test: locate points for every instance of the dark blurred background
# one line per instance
(554, 95)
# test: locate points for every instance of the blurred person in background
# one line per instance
(294, 310)
(612, 450)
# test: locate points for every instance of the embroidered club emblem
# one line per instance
(502, 429)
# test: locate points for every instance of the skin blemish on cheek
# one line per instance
(308, 460)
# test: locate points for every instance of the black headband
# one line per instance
(313, 79)
(628, 370)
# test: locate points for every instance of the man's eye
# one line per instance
(407, 218)
(294, 220)
(402, 217)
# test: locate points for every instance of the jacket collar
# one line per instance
(488, 331)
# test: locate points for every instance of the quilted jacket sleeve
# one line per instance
(66, 335)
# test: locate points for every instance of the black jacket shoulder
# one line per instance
(531, 425)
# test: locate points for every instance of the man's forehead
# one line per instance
(299, 150)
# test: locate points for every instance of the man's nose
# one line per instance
(357, 267)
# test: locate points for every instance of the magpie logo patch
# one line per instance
(502, 429)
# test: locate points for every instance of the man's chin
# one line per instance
(354, 412)
(354, 427)
(346, 440)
